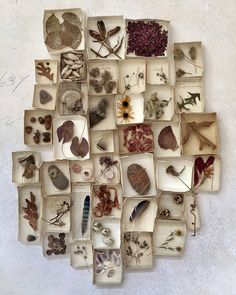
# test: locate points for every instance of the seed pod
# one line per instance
(96, 35)
(113, 31)
(101, 28)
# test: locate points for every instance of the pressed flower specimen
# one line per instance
(138, 138)
(166, 245)
(102, 80)
(125, 109)
(146, 38)
(203, 170)
(135, 247)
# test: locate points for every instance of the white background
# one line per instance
(208, 265)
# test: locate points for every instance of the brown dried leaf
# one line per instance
(167, 139)
(31, 211)
(65, 131)
(79, 148)
(194, 127)
(52, 24)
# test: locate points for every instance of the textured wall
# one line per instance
(208, 265)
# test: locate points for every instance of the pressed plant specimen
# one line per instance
(168, 241)
(60, 212)
(125, 109)
(191, 100)
(190, 58)
(135, 247)
(138, 138)
(154, 107)
(31, 214)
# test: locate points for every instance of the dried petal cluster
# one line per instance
(138, 138)
(146, 38)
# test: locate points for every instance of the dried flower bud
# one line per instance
(180, 73)
(171, 170)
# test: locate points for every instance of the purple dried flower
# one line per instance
(146, 38)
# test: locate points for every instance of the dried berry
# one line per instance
(46, 136)
(41, 120)
(36, 137)
(28, 129)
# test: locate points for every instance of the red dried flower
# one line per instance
(138, 138)
(203, 170)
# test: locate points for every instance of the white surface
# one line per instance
(208, 265)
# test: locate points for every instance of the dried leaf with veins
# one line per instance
(193, 127)
(44, 71)
(65, 131)
(79, 148)
(31, 211)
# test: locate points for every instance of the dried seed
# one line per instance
(76, 66)
(76, 74)
(65, 69)
(73, 56)
(67, 74)
(68, 62)
(28, 129)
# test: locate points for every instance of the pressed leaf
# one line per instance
(65, 131)
(31, 211)
(83, 147)
(194, 127)
(79, 148)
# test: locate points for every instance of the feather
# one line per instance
(85, 216)
(139, 209)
